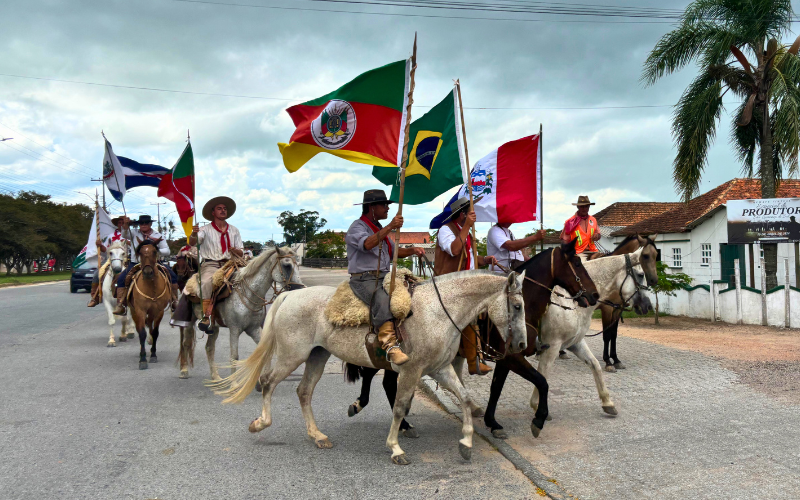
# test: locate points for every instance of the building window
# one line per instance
(676, 257)
(706, 254)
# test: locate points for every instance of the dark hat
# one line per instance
(374, 196)
(583, 200)
(208, 208)
(144, 219)
(458, 206)
(116, 220)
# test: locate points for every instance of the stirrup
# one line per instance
(205, 324)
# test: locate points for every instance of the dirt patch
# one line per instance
(765, 358)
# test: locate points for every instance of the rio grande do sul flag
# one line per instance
(362, 121)
(178, 186)
(509, 180)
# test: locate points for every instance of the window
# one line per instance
(705, 252)
(676, 257)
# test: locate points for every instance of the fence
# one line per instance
(308, 262)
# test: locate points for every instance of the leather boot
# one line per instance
(95, 296)
(388, 340)
(205, 323)
(469, 346)
(175, 294)
(122, 302)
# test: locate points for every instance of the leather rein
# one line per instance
(254, 299)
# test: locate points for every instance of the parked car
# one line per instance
(82, 277)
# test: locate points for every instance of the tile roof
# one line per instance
(623, 213)
(412, 238)
(684, 217)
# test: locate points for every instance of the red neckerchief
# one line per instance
(224, 239)
(375, 229)
(468, 247)
(573, 222)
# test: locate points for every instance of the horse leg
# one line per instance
(584, 354)
(315, 366)
(498, 381)
(390, 388)
(235, 333)
(519, 365)
(269, 380)
(154, 335)
(458, 366)
(128, 325)
(546, 359)
(617, 363)
(211, 344)
(367, 374)
(608, 317)
(449, 381)
(109, 308)
(406, 383)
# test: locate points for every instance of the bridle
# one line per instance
(624, 305)
(581, 293)
(254, 302)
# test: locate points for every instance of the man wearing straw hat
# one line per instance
(454, 252)
(582, 227)
(219, 241)
(369, 257)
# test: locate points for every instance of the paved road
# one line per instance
(78, 420)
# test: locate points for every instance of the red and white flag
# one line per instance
(509, 180)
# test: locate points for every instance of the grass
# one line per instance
(22, 279)
(630, 314)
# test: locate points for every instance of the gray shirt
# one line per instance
(359, 259)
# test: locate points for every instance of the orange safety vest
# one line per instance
(585, 241)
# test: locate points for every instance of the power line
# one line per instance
(45, 147)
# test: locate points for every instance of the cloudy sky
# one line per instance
(296, 50)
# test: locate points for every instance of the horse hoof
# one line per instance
(549, 417)
(400, 460)
(535, 428)
(477, 412)
(184, 374)
(610, 410)
(411, 433)
(499, 433)
(130, 335)
(324, 444)
(466, 451)
(253, 427)
(111, 344)
(563, 355)
(123, 338)
(258, 387)
(619, 366)
(143, 365)
(610, 368)
(352, 410)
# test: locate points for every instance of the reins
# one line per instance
(257, 300)
(624, 305)
(166, 284)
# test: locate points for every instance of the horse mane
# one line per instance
(252, 267)
(461, 274)
(525, 265)
(627, 240)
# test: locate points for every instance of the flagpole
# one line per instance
(195, 222)
(404, 162)
(541, 188)
(97, 236)
(469, 176)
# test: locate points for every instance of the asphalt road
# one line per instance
(79, 420)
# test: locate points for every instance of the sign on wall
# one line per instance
(775, 220)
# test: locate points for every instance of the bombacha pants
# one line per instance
(363, 287)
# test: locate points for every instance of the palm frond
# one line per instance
(785, 100)
(678, 48)
(745, 139)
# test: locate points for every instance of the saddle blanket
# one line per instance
(345, 309)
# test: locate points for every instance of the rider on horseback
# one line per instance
(582, 227)
(369, 256)
(136, 236)
(115, 236)
(218, 242)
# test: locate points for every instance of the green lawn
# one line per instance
(19, 279)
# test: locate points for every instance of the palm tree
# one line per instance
(720, 35)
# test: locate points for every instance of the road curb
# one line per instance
(23, 285)
(545, 483)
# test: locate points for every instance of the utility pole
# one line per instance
(158, 211)
(103, 187)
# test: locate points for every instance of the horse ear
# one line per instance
(521, 278)
(652, 237)
(569, 248)
(512, 280)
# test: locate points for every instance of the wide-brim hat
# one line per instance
(116, 220)
(583, 200)
(374, 196)
(144, 219)
(458, 206)
(208, 208)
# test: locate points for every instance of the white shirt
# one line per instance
(211, 245)
(494, 246)
(446, 239)
(136, 237)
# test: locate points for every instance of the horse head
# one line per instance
(286, 271)
(568, 272)
(507, 311)
(147, 250)
(649, 257)
(630, 290)
(116, 255)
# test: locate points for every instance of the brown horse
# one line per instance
(149, 296)
(611, 315)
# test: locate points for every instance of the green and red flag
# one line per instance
(362, 121)
(178, 186)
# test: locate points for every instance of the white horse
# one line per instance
(296, 331)
(565, 327)
(117, 252)
(245, 309)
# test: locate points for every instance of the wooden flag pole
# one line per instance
(404, 162)
(97, 237)
(541, 188)
(469, 174)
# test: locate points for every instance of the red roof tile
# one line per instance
(680, 219)
(623, 213)
(413, 238)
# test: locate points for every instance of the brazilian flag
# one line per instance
(435, 161)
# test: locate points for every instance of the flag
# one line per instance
(106, 229)
(121, 174)
(509, 179)
(362, 121)
(435, 159)
(177, 185)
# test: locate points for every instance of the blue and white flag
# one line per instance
(121, 174)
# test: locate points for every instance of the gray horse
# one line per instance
(245, 310)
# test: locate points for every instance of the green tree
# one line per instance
(300, 227)
(720, 35)
(257, 247)
(668, 283)
(327, 245)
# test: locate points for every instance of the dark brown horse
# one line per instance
(548, 269)
(149, 296)
(611, 315)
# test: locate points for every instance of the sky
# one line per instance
(523, 64)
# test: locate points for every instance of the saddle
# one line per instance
(137, 270)
(221, 282)
(345, 309)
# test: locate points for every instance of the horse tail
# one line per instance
(236, 387)
(352, 373)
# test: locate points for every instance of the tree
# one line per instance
(257, 247)
(327, 245)
(301, 227)
(718, 34)
(668, 283)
